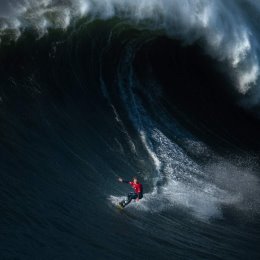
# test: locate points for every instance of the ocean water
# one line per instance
(95, 90)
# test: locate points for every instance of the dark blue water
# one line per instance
(108, 98)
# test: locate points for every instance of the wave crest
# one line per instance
(224, 28)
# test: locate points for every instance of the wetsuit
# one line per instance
(137, 194)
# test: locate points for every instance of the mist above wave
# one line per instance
(228, 30)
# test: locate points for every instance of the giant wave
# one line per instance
(94, 90)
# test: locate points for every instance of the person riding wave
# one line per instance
(136, 195)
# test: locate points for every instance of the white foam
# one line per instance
(155, 159)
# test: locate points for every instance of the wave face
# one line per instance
(94, 90)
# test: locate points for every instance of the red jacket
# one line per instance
(138, 187)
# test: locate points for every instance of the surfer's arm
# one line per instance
(121, 180)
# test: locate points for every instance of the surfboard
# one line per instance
(119, 206)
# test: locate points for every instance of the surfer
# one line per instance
(136, 195)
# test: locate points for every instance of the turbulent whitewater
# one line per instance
(95, 90)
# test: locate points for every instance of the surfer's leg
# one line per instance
(130, 197)
(126, 201)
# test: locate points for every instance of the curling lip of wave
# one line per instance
(223, 26)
